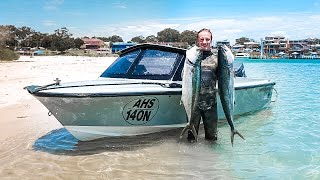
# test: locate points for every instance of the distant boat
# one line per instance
(242, 55)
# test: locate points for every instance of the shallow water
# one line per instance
(282, 142)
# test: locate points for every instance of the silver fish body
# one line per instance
(191, 87)
(226, 89)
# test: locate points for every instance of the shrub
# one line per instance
(8, 55)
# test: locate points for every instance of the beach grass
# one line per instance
(8, 55)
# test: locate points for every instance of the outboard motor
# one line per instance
(239, 70)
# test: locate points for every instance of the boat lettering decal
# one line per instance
(141, 110)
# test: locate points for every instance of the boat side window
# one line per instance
(121, 65)
(156, 62)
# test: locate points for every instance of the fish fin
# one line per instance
(234, 133)
(190, 128)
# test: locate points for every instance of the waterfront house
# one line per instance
(224, 42)
(238, 48)
(272, 45)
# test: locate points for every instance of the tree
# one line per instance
(115, 38)
(22, 35)
(242, 40)
(138, 39)
(4, 35)
(46, 41)
(35, 39)
(189, 36)
(61, 39)
(78, 43)
(168, 35)
(104, 39)
(151, 38)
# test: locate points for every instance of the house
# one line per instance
(92, 43)
(275, 44)
(224, 42)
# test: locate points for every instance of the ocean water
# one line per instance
(282, 141)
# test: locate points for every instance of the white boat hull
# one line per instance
(151, 109)
(87, 133)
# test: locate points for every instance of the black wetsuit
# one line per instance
(207, 104)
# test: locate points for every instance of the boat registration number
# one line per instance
(140, 111)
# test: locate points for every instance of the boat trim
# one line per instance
(113, 94)
(174, 91)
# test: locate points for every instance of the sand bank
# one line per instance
(18, 109)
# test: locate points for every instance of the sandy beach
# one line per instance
(18, 109)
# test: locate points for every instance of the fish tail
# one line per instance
(190, 128)
(184, 131)
(234, 133)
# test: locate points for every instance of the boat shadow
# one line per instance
(61, 142)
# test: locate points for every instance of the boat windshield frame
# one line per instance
(147, 62)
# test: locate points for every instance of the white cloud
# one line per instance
(48, 23)
(52, 4)
(315, 17)
(120, 5)
(293, 26)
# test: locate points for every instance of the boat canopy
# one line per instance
(155, 62)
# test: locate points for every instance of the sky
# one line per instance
(227, 19)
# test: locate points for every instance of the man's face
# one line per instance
(204, 40)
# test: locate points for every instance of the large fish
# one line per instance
(191, 87)
(226, 89)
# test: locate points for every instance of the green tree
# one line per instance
(4, 35)
(151, 38)
(78, 43)
(168, 35)
(61, 40)
(104, 39)
(115, 38)
(22, 35)
(35, 39)
(138, 39)
(242, 40)
(46, 41)
(10, 38)
(189, 36)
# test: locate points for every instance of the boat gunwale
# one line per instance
(173, 91)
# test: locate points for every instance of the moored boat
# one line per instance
(242, 55)
(138, 94)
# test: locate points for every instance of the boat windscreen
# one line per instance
(145, 64)
(156, 62)
(121, 65)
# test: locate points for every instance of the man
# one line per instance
(206, 107)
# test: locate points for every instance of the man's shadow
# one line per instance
(61, 142)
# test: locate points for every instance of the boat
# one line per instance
(242, 55)
(139, 93)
